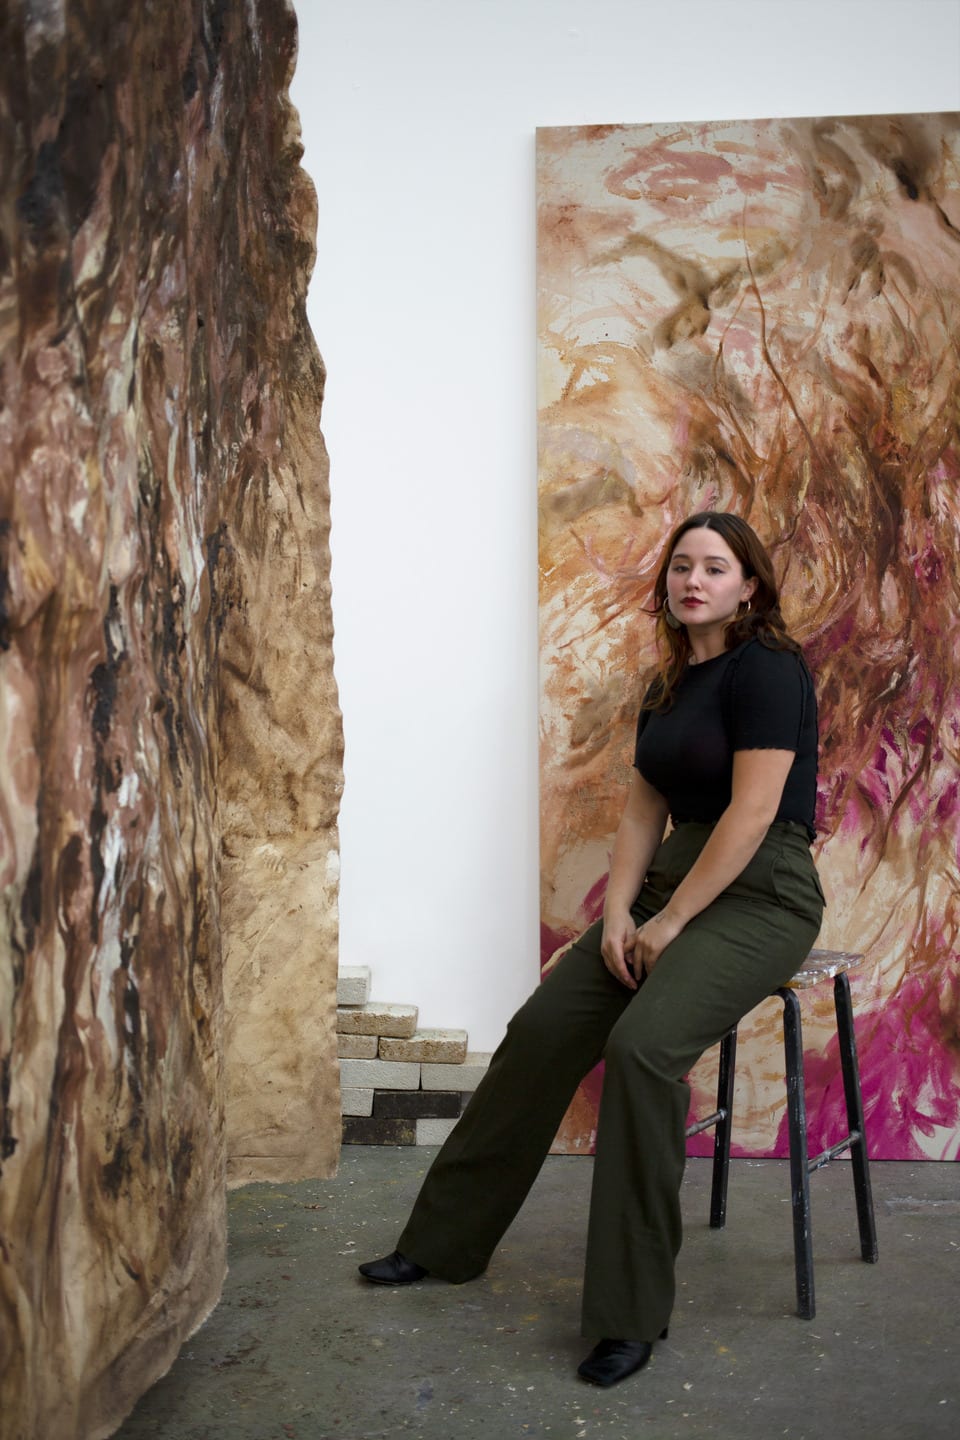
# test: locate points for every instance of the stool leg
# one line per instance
(851, 1090)
(799, 1175)
(721, 1134)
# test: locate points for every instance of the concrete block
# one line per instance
(357, 1047)
(379, 1075)
(433, 1132)
(416, 1104)
(353, 985)
(459, 1077)
(363, 1130)
(445, 1047)
(377, 1019)
(356, 1102)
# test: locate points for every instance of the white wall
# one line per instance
(418, 122)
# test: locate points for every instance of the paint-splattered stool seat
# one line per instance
(820, 965)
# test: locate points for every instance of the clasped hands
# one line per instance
(629, 950)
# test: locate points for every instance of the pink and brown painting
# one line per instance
(762, 316)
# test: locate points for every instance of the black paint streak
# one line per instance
(169, 672)
(133, 1031)
(6, 539)
(22, 941)
(188, 80)
(906, 180)
(85, 131)
(947, 222)
(104, 682)
(98, 826)
(31, 901)
(8, 1141)
(215, 29)
(40, 204)
(181, 1163)
(216, 543)
(116, 1170)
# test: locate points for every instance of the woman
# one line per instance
(697, 929)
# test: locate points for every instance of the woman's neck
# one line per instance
(708, 645)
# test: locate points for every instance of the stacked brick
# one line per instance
(398, 1085)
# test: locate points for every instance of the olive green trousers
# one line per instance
(731, 956)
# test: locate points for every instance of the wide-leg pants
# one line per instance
(728, 958)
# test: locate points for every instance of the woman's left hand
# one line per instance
(652, 939)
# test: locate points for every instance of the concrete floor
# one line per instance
(301, 1349)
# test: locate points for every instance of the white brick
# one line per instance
(357, 1047)
(433, 1132)
(376, 1018)
(465, 1077)
(356, 1102)
(379, 1075)
(353, 985)
(440, 1047)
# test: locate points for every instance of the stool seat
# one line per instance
(823, 965)
(819, 966)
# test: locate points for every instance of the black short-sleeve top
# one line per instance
(748, 698)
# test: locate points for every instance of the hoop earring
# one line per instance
(670, 618)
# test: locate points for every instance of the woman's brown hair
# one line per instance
(761, 619)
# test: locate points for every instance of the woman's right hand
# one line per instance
(638, 835)
(616, 946)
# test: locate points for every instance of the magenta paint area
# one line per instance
(908, 1077)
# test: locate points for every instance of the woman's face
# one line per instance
(705, 582)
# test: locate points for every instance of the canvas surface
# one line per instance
(762, 316)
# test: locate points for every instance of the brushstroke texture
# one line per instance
(162, 510)
(763, 317)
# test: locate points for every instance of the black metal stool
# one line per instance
(820, 965)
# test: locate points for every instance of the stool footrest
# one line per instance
(826, 1156)
(702, 1125)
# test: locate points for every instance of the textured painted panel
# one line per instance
(162, 509)
(762, 317)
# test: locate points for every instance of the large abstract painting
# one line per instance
(764, 316)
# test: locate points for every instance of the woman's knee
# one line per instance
(576, 1003)
(551, 1009)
